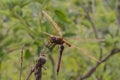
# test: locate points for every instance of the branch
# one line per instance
(93, 69)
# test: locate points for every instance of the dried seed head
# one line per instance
(38, 68)
(42, 60)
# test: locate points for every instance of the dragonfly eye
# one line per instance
(54, 39)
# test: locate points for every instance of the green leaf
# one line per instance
(18, 11)
(6, 13)
(69, 34)
(117, 42)
(39, 48)
(27, 54)
(8, 40)
(1, 54)
(61, 15)
(86, 23)
(109, 41)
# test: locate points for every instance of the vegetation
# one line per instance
(92, 27)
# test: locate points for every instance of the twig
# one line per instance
(0, 66)
(95, 31)
(102, 59)
(32, 70)
(21, 63)
(93, 69)
(37, 69)
(50, 48)
(53, 66)
(118, 16)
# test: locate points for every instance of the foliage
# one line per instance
(22, 23)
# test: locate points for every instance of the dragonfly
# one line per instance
(58, 40)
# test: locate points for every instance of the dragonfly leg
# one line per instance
(59, 58)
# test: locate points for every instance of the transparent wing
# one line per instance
(85, 39)
(47, 34)
(53, 23)
(83, 52)
(50, 35)
(80, 49)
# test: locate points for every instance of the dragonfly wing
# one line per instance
(84, 53)
(53, 23)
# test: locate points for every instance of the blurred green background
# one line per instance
(21, 23)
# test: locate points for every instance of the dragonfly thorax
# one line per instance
(56, 40)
